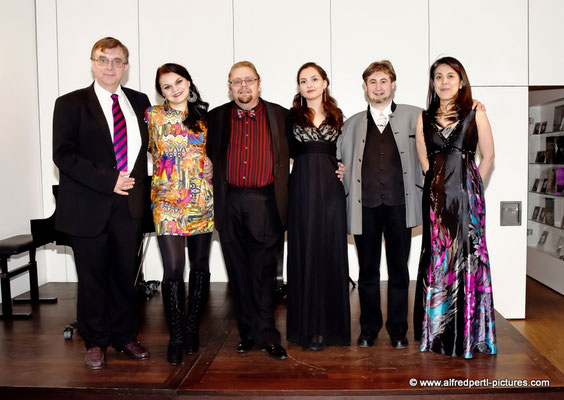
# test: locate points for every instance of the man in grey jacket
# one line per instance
(384, 186)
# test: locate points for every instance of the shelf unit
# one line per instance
(545, 210)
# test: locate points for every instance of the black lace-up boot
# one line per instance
(174, 294)
(198, 288)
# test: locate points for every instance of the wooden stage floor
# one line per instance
(37, 362)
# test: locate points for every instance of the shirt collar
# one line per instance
(103, 93)
(259, 107)
(386, 111)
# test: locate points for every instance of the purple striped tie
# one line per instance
(120, 135)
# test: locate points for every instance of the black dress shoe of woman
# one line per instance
(276, 351)
(317, 347)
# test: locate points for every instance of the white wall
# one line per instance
(492, 38)
(20, 160)
(546, 47)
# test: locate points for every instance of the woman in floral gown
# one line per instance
(182, 202)
(454, 283)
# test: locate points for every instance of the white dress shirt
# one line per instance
(133, 133)
(376, 113)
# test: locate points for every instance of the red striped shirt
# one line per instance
(250, 158)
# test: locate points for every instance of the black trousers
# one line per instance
(390, 222)
(250, 241)
(107, 265)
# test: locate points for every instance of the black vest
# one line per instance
(382, 175)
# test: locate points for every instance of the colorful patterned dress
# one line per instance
(458, 311)
(182, 200)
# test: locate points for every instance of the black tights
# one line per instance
(174, 259)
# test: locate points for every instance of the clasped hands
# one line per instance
(124, 183)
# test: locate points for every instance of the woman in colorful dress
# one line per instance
(318, 296)
(182, 202)
(454, 270)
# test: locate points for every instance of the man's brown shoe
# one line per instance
(95, 358)
(135, 350)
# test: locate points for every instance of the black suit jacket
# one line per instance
(219, 135)
(83, 151)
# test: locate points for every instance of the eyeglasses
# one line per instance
(104, 62)
(239, 82)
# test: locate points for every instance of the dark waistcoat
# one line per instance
(382, 177)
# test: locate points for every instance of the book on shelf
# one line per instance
(541, 215)
(535, 213)
(544, 185)
(550, 149)
(535, 185)
(539, 159)
(542, 239)
(559, 244)
(560, 180)
(559, 156)
(551, 185)
(543, 126)
(536, 129)
(558, 121)
(549, 211)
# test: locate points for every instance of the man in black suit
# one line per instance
(248, 146)
(100, 147)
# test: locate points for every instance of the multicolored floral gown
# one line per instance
(182, 200)
(458, 311)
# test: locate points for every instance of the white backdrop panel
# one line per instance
(488, 37)
(58, 258)
(202, 42)
(80, 24)
(204, 45)
(355, 25)
(20, 152)
(546, 47)
(507, 110)
(364, 31)
(279, 37)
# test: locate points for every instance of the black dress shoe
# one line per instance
(136, 350)
(366, 340)
(95, 357)
(400, 343)
(276, 351)
(245, 345)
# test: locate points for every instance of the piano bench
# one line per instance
(11, 247)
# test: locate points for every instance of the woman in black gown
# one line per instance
(318, 296)
(454, 290)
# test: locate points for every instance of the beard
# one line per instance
(245, 98)
(380, 100)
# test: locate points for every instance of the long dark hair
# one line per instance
(197, 110)
(463, 101)
(303, 115)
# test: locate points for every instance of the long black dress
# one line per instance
(318, 293)
(454, 292)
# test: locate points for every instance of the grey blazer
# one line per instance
(350, 150)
